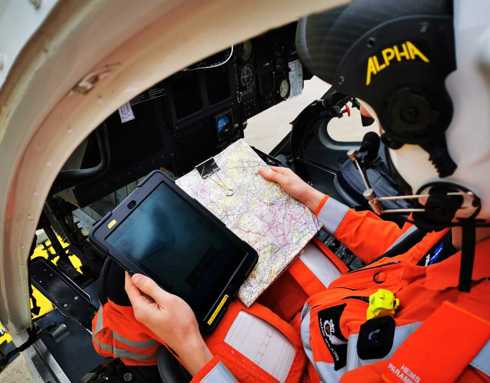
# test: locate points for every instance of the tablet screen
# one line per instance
(169, 239)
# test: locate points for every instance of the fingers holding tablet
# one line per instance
(144, 306)
(170, 318)
(147, 288)
(167, 315)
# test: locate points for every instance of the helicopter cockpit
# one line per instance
(173, 126)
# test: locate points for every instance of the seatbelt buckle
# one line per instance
(382, 303)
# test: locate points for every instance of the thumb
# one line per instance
(150, 288)
(271, 175)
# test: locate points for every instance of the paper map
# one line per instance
(257, 211)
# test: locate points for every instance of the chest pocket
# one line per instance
(257, 345)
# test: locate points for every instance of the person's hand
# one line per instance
(293, 185)
(170, 318)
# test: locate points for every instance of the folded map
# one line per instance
(259, 212)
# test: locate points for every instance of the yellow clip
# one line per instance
(111, 224)
(382, 303)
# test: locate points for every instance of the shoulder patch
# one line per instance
(329, 322)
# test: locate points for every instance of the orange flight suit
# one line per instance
(332, 321)
(326, 330)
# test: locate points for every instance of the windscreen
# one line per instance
(174, 243)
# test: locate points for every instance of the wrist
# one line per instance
(194, 354)
(313, 199)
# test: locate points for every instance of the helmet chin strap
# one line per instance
(376, 203)
(443, 200)
(467, 255)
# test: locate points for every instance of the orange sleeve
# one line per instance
(364, 233)
(367, 235)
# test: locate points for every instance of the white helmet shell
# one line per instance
(468, 135)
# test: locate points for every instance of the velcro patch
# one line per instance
(376, 338)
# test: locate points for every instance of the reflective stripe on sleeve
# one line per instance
(117, 352)
(134, 343)
(219, 374)
(109, 347)
(332, 213)
(404, 235)
(125, 354)
(99, 325)
(103, 346)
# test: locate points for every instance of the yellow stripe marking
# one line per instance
(218, 309)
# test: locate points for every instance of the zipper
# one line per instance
(374, 267)
(343, 287)
(357, 297)
(363, 269)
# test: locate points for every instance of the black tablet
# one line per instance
(160, 231)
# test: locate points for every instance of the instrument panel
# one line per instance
(192, 115)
